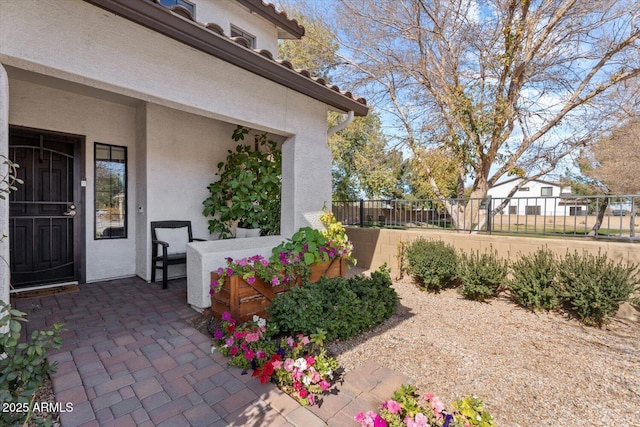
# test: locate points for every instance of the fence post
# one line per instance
(632, 225)
(488, 221)
(361, 212)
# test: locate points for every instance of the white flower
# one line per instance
(259, 321)
(300, 364)
(306, 380)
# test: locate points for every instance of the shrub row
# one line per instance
(341, 307)
(591, 287)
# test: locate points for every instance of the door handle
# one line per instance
(71, 211)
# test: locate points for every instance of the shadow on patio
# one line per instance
(129, 358)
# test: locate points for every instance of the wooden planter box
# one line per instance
(244, 300)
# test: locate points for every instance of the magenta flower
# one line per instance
(324, 384)
(378, 421)
(226, 316)
(218, 334)
(248, 354)
(233, 350)
(251, 280)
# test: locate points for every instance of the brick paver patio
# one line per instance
(129, 359)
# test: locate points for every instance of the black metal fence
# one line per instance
(567, 215)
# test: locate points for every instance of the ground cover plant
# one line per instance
(299, 365)
(341, 307)
(407, 409)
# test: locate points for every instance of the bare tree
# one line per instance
(511, 87)
(614, 163)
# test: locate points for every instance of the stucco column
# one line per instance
(306, 180)
(4, 203)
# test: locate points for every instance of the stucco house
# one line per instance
(136, 100)
(536, 197)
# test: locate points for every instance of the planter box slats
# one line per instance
(244, 300)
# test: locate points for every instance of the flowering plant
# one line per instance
(405, 409)
(305, 371)
(246, 344)
(299, 366)
(250, 269)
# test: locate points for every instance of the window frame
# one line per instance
(125, 219)
(239, 32)
(542, 190)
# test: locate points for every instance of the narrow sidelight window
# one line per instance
(110, 191)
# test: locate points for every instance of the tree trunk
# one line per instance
(598, 224)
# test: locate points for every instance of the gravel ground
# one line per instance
(530, 369)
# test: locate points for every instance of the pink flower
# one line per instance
(312, 399)
(315, 376)
(252, 337)
(290, 342)
(277, 364)
(233, 350)
(227, 316)
(324, 384)
(260, 354)
(251, 280)
(421, 420)
(393, 406)
(438, 406)
(264, 262)
(304, 340)
(229, 342)
(428, 396)
(249, 354)
(310, 360)
(303, 393)
(288, 365)
(275, 281)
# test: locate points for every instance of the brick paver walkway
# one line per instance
(129, 359)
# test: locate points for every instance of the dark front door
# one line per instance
(43, 212)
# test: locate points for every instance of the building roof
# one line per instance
(178, 23)
(555, 184)
(289, 26)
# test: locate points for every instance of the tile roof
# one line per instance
(280, 18)
(178, 23)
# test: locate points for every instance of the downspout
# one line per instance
(340, 126)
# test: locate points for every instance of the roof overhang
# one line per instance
(289, 26)
(160, 19)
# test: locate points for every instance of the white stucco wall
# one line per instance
(226, 13)
(186, 100)
(532, 196)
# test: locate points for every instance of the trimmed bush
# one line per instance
(534, 284)
(432, 262)
(341, 307)
(594, 286)
(481, 274)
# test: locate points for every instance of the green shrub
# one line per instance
(481, 274)
(341, 307)
(594, 286)
(533, 284)
(24, 365)
(432, 262)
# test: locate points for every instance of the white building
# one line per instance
(157, 89)
(536, 197)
